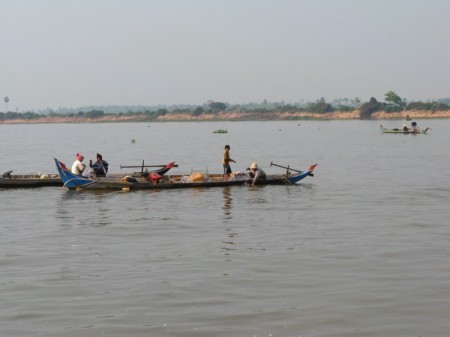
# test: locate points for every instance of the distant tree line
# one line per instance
(264, 110)
(19, 115)
(394, 103)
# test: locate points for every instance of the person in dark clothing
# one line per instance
(100, 167)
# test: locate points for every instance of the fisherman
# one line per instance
(414, 126)
(405, 128)
(100, 167)
(78, 166)
(256, 173)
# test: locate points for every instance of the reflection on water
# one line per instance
(227, 203)
(258, 197)
(84, 209)
(228, 245)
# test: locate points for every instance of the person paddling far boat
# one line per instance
(100, 167)
(78, 166)
(226, 162)
(256, 173)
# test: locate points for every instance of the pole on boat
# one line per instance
(285, 167)
(142, 166)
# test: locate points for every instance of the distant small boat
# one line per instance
(221, 131)
(405, 132)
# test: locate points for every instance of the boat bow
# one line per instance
(69, 179)
(302, 174)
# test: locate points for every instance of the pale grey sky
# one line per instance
(58, 53)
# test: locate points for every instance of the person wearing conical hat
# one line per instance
(256, 173)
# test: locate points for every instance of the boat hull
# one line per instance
(74, 182)
(30, 181)
(397, 131)
(47, 180)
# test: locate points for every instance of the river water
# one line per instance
(360, 249)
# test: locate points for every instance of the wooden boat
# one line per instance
(158, 182)
(221, 131)
(8, 180)
(406, 132)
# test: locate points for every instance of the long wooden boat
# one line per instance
(400, 131)
(8, 180)
(158, 182)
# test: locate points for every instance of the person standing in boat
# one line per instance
(100, 167)
(414, 126)
(256, 173)
(78, 166)
(226, 162)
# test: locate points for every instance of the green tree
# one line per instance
(368, 108)
(198, 111)
(162, 112)
(94, 114)
(320, 106)
(218, 106)
(344, 108)
(391, 96)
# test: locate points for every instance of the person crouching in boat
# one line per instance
(100, 167)
(256, 173)
(405, 128)
(78, 166)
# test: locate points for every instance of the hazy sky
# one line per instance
(57, 53)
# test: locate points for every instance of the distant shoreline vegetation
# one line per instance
(265, 110)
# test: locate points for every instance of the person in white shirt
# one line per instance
(78, 166)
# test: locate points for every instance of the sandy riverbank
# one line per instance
(235, 116)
